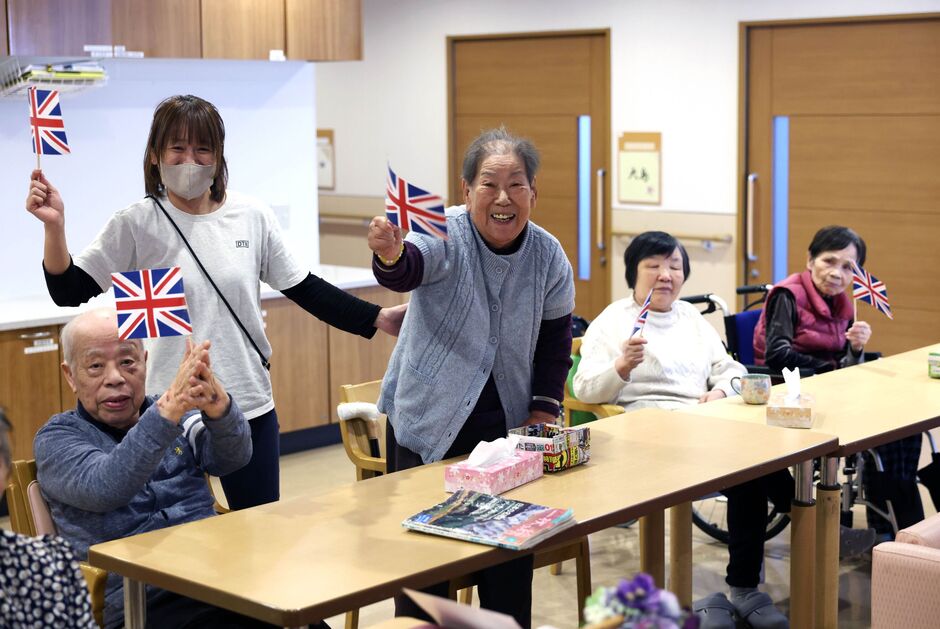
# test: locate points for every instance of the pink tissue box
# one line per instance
(494, 479)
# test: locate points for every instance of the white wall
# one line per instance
(674, 69)
(269, 111)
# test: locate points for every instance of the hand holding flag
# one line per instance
(409, 207)
(151, 303)
(868, 288)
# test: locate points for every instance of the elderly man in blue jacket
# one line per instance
(122, 463)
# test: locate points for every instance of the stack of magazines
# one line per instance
(493, 520)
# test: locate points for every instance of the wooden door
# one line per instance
(299, 359)
(538, 85)
(57, 27)
(242, 29)
(29, 387)
(843, 127)
(158, 28)
(4, 39)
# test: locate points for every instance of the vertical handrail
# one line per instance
(600, 214)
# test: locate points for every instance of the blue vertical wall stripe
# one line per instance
(781, 196)
(584, 197)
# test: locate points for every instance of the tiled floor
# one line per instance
(614, 554)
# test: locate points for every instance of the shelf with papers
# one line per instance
(17, 75)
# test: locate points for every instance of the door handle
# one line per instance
(600, 215)
(750, 201)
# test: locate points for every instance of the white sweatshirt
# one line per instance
(683, 359)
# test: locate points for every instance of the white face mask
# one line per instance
(187, 180)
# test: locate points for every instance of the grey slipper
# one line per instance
(759, 611)
(715, 612)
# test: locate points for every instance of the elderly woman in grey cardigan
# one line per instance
(486, 342)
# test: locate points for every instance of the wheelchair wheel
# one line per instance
(710, 515)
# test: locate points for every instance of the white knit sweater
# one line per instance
(683, 359)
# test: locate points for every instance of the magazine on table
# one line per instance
(494, 520)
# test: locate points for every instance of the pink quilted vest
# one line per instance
(819, 331)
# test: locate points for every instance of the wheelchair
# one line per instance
(709, 512)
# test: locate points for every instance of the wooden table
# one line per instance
(864, 406)
(301, 560)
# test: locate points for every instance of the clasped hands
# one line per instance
(194, 387)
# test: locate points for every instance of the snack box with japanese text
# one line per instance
(560, 447)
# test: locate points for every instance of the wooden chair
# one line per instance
(571, 403)
(359, 438)
(29, 515)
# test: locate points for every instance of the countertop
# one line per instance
(38, 310)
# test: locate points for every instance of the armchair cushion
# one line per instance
(924, 533)
(904, 586)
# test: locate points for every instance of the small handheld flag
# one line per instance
(641, 318)
(870, 289)
(151, 303)
(45, 121)
(414, 209)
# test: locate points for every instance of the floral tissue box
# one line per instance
(560, 447)
(518, 469)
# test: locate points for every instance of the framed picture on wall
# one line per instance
(639, 177)
(326, 160)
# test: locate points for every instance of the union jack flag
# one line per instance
(644, 313)
(151, 303)
(870, 289)
(45, 119)
(414, 209)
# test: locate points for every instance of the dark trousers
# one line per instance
(506, 588)
(897, 483)
(259, 482)
(167, 610)
(747, 523)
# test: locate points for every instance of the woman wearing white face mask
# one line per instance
(189, 219)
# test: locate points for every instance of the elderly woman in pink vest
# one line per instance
(808, 322)
(808, 318)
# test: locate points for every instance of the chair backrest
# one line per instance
(739, 330)
(363, 439)
(23, 494)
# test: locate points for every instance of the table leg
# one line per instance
(680, 552)
(135, 604)
(828, 507)
(652, 546)
(802, 547)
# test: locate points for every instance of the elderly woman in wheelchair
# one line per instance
(809, 322)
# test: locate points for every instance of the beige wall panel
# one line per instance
(29, 388)
(354, 359)
(884, 163)
(880, 67)
(299, 358)
(901, 254)
(324, 29)
(242, 29)
(551, 62)
(159, 28)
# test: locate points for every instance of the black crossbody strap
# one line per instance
(264, 361)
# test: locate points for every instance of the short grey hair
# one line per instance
(499, 142)
(67, 340)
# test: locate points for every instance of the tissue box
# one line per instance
(561, 448)
(494, 479)
(782, 412)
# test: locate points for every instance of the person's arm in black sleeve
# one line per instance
(550, 365)
(71, 288)
(781, 328)
(334, 306)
